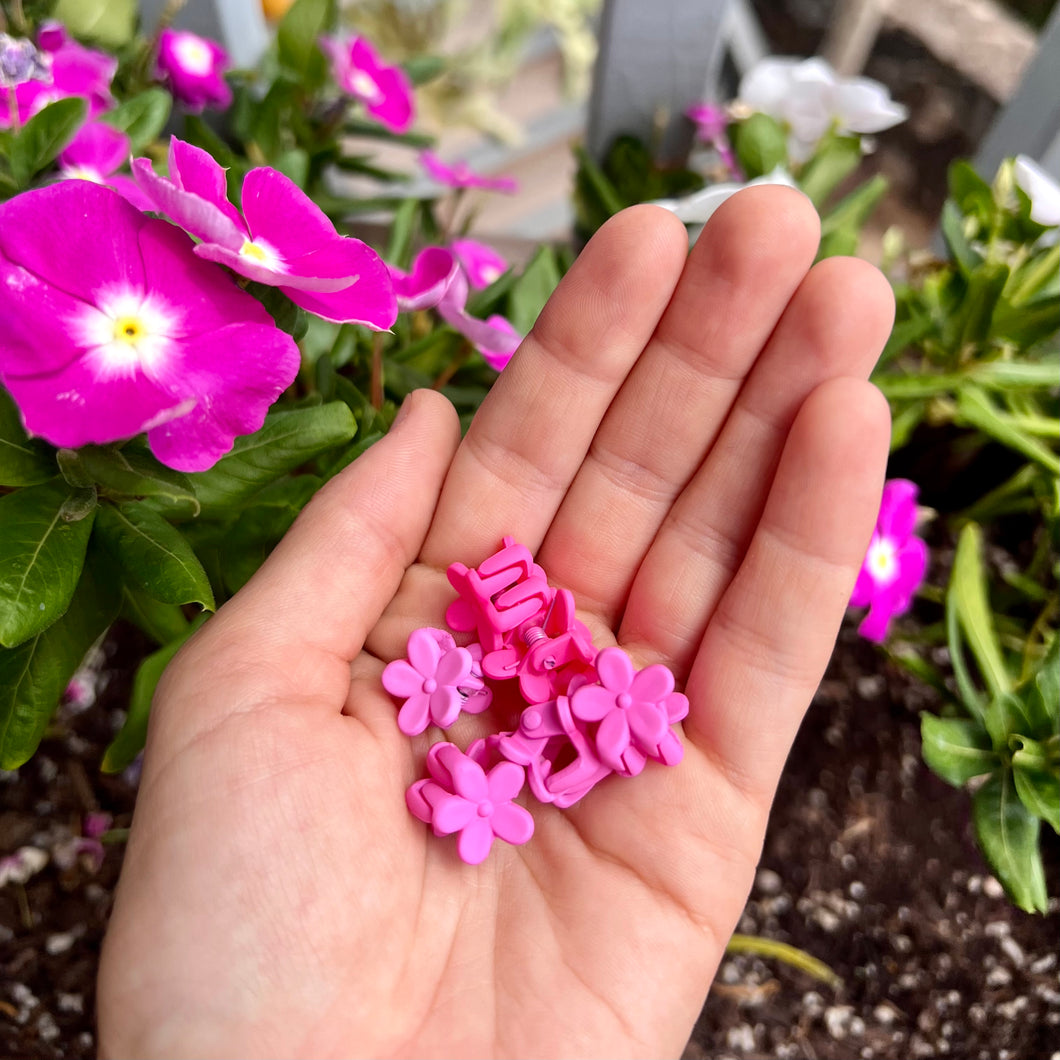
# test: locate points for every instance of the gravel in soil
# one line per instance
(869, 865)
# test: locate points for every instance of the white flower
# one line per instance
(1040, 188)
(697, 207)
(810, 97)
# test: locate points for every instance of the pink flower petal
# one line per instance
(514, 824)
(395, 109)
(199, 216)
(453, 813)
(192, 67)
(612, 739)
(615, 670)
(482, 263)
(416, 800)
(670, 750)
(505, 781)
(414, 715)
(475, 841)
(424, 652)
(98, 147)
(454, 667)
(468, 778)
(647, 724)
(592, 703)
(676, 707)
(400, 679)
(369, 302)
(445, 706)
(95, 229)
(279, 212)
(652, 684)
(897, 516)
(433, 271)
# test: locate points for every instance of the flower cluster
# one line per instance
(585, 713)
(192, 68)
(895, 563)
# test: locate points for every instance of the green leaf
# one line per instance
(110, 22)
(835, 158)
(974, 409)
(952, 224)
(1044, 701)
(296, 39)
(956, 749)
(23, 461)
(260, 526)
(133, 472)
(967, 588)
(1029, 323)
(44, 136)
(130, 739)
(1004, 718)
(533, 289)
(1036, 771)
(1008, 836)
(34, 675)
(968, 190)
(161, 622)
(153, 554)
(984, 289)
(41, 557)
(399, 242)
(761, 144)
(287, 440)
(142, 117)
(424, 68)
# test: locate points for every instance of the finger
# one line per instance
(669, 412)
(530, 436)
(835, 325)
(314, 600)
(770, 638)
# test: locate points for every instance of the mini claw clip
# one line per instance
(588, 713)
(461, 797)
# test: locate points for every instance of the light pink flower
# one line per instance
(193, 67)
(112, 326)
(895, 563)
(282, 238)
(462, 797)
(482, 263)
(460, 175)
(75, 71)
(634, 707)
(438, 281)
(385, 91)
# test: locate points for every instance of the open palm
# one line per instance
(687, 443)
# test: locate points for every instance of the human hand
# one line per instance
(691, 447)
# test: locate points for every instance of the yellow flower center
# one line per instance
(129, 329)
(250, 249)
(882, 560)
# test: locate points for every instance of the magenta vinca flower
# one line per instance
(711, 123)
(429, 681)
(112, 326)
(385, 91)
(75, 71)
(438, 281)
(482, 263)
(462, 797)
(193, 67)
(96, 153)
(634, 707)
(895, 563)
(460, 175)
(282, 238)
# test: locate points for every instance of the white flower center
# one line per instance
(127, 332)
(83, 173)
(363, 85)
(882, 561)
(193, 54)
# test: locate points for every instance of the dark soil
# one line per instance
(869, 865)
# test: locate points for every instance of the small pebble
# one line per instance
(1044, 964)
(58, 943)
(998, 977)
(1012, 950)
(47, 1028)
(837, 1020)
(993, 889)
(71, 1002)
(768, 882)
(741, 1038)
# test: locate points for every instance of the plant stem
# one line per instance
(375, 391)
(781, 951)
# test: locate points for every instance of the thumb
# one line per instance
(328, 581)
